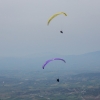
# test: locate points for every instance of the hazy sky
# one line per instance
(24, 30)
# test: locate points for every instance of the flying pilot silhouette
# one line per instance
(61, 31)
(57, 79)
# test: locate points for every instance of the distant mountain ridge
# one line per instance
(88, 61)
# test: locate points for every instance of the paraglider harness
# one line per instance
(57, 79)
(61, 31)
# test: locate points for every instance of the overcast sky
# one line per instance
(24, 30)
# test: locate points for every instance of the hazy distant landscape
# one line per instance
(33, 86)
(24, 78)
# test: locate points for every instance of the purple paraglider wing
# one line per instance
(46, 63)
(60, 59)
(52, 60)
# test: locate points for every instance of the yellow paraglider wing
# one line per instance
(55, 16)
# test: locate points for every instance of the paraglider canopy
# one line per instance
(52, 60)
(53, 16)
